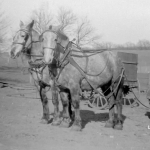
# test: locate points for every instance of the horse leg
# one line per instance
(77, 120)
(55, 101)
(110, 122)
(44, 99)
(119, 123)
(67, 112)
(38, 87)
(76, 104)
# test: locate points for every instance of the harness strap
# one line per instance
(28, 33)
(67, 52)
(120, 78)
(49, 48)
(72, 62)
(90, 53)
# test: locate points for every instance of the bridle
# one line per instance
(25, 39)
(55, 40)
(25, 48)
(53, 49)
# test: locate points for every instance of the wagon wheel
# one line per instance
(97, 101)
(131, 99)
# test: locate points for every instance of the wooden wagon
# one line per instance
(130, 62)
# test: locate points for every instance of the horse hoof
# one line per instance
(118, 127)
(56, 122)
(65, 123)
(109, 124)
(45, 121)
(76, 128)
(73, 116)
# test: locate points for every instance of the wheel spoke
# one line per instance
(101, 102)
(93, 100)
(129, 101)
(98, 101)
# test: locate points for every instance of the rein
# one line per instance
(81, 56)
(68, 53)
(24, 51)
(67, 56)
(72, 62)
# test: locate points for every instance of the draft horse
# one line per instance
(77, 71)
(27, 42)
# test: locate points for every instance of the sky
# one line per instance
(117, 21)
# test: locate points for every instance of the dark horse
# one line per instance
(27, 42)
(78, 71)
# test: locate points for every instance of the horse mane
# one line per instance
(36, 32)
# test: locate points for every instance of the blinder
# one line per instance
(25, 39)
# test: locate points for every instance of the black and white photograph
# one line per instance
(74, 75)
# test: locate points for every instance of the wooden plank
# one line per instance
(130, 62)
(128, 57)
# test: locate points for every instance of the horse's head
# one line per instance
(49, 42)
(54, 43)
(22, 39)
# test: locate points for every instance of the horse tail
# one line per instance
(126, 89)
(126, 86)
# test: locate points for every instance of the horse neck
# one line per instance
(36, 46)
(59, 52)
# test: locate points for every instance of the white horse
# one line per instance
(27, 42)
(103, 70)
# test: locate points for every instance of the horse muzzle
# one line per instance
(13, 55)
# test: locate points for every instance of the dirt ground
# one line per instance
(20, 127)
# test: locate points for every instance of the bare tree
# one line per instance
(129, 45)
(4, 24)
(85, 33)
(143, 44)
(66, 19)
(105, 45)
(43, 18)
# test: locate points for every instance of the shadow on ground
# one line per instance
(147, 114)
(88, 116)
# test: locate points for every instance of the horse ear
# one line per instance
(30, 26)
(21, 23)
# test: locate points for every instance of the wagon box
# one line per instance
(130, 62)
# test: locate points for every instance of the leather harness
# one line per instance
(34, 66)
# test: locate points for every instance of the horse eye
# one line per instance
(22, 35)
